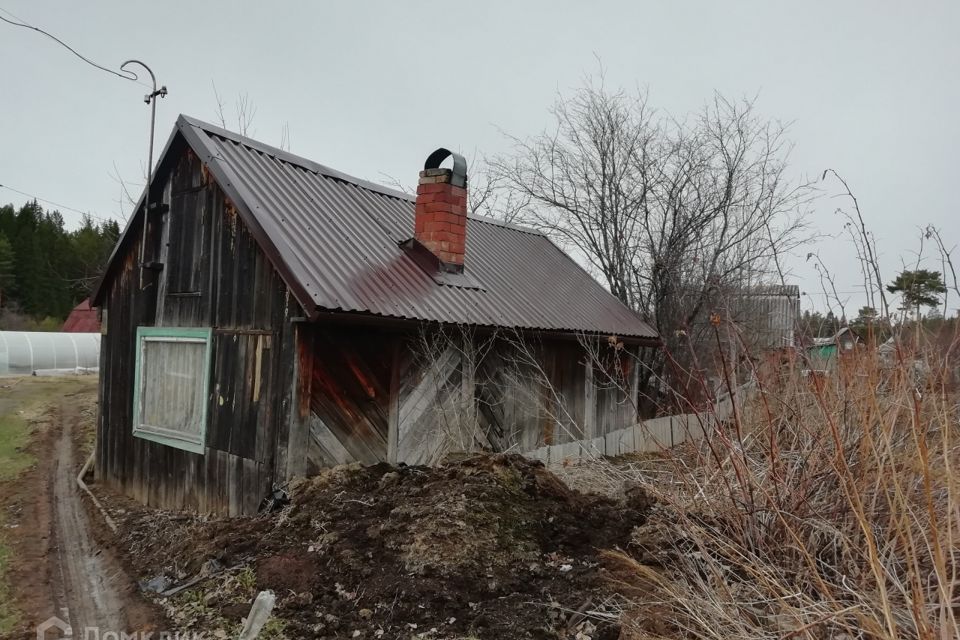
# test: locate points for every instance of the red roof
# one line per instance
(83, 319)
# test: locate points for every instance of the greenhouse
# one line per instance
(36, 352)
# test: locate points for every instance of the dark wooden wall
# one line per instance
(348, 386)
(396, 396)
(213, 275)
(533, 392)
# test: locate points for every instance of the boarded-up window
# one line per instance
(185, 256)
(172, 382)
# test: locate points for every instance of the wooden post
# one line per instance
(589, 400)
(635, 385)
(298, 423)
(468, 367)
(393, 417)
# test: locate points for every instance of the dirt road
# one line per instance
(93, 585)
(58, 567)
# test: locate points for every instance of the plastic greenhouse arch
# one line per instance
(31, 352)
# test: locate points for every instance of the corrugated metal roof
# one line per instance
(335, 240)
(786, 290)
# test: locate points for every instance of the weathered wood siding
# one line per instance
(349, 393)
(431, 416)
(398, 397)
(213, 275)
(547, 392)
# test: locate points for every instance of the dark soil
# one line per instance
(488, 547)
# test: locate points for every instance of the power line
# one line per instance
(19, 22)
(58, 205)
(830, 294)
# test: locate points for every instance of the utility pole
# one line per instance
(150, 99)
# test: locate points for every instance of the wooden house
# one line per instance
(265, 316)
(823, 353)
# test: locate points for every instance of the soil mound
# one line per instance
(487, 547)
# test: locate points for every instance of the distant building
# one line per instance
(83, 319)
(767, 316)
(822, 353)
(738, 329)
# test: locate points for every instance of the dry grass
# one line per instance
(830, 511)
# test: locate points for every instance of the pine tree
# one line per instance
(46, 269)
(919, 288)
(6, 267)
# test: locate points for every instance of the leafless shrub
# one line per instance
(946, 261)
(440, 363)
(452, 363)
(832, 512)
(244, 113)
(865, 245)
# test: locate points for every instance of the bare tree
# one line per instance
(865, 244)
(245, 112)
(946, 262)
(489, 197)
(669, 213)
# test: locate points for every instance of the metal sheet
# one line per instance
(768, 314)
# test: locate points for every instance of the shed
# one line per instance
(822, 353)
(82, 319)
(265, 317)
(767, 315)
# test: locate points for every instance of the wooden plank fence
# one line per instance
(647, 436)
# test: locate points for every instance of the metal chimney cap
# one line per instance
(459, 174)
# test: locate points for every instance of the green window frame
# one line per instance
(195, 440)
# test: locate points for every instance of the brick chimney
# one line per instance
(441, 214)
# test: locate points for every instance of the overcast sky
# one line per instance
(871, 88)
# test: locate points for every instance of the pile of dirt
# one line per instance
(488, 547)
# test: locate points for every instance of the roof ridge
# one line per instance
(316, 167)
(506, 225)
(294, 159)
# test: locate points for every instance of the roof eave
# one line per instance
(354, 318)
